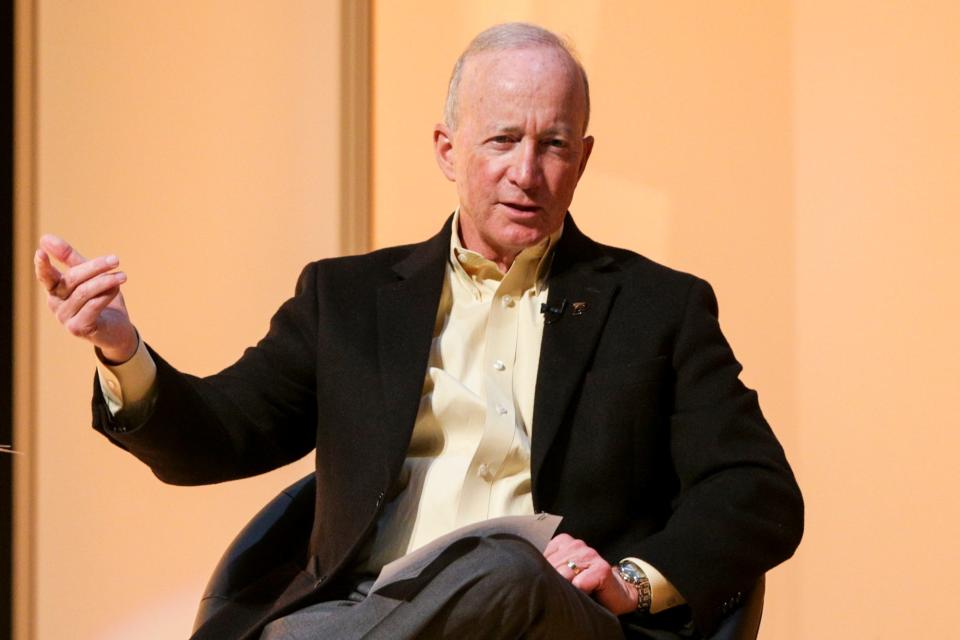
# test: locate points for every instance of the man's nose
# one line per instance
(525, 169)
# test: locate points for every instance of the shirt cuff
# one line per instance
(663, 595)
(129, 385)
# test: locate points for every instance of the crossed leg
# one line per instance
(492, 588)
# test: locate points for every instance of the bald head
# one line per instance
(515, 36)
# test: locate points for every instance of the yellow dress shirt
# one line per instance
(469, 456)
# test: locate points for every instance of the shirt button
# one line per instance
(502, 410)
(484, 472)
(499, 366)
(506, 301)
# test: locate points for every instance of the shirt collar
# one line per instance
(533, 263)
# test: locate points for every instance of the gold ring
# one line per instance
(573, 567)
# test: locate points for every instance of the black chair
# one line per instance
(282, 529)
(276, 535)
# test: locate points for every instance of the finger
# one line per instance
(86, 291)
(84, 323)
(570, 564)
(592, 577)
(567, 550)
(82, 272)
(61, 250)
(564, 571)
(558, 558)
(46, 273)
(572, 557)
(572, 569)
(558, 542)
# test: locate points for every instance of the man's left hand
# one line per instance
(589, 572)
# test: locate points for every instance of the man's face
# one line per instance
(518, 149)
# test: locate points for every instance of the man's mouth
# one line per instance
(526, 208)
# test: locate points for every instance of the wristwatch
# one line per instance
(631, 572)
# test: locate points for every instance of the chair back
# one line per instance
(279, 532)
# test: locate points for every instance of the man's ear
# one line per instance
(587, 149)
(443, 150)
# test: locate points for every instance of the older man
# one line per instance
(508, 365)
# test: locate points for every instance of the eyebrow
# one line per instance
(515, 130)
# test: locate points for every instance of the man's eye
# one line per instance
(557, 142)
(501, 139)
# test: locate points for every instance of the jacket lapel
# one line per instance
(582, 281)
(406, 312)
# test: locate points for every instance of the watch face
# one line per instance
(630, 572)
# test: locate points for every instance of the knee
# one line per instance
(513, 564)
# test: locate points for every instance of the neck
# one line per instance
(472, 240)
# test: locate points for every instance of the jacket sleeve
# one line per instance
(739, 511)
(256, 415)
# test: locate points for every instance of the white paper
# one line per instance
(537, 529)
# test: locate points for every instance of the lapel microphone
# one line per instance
(552, 314)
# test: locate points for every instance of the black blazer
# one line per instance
(644, 438)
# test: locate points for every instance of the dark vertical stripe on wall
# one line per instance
(6, 319)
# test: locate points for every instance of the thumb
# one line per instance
(61, 250)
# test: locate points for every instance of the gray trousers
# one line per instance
(485, 588)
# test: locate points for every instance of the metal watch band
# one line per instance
(631, 572)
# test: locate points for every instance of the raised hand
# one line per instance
(588, 571)
(85, 297)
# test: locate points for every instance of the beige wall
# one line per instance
(877, 156)
(199, 142)
(802, 156)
